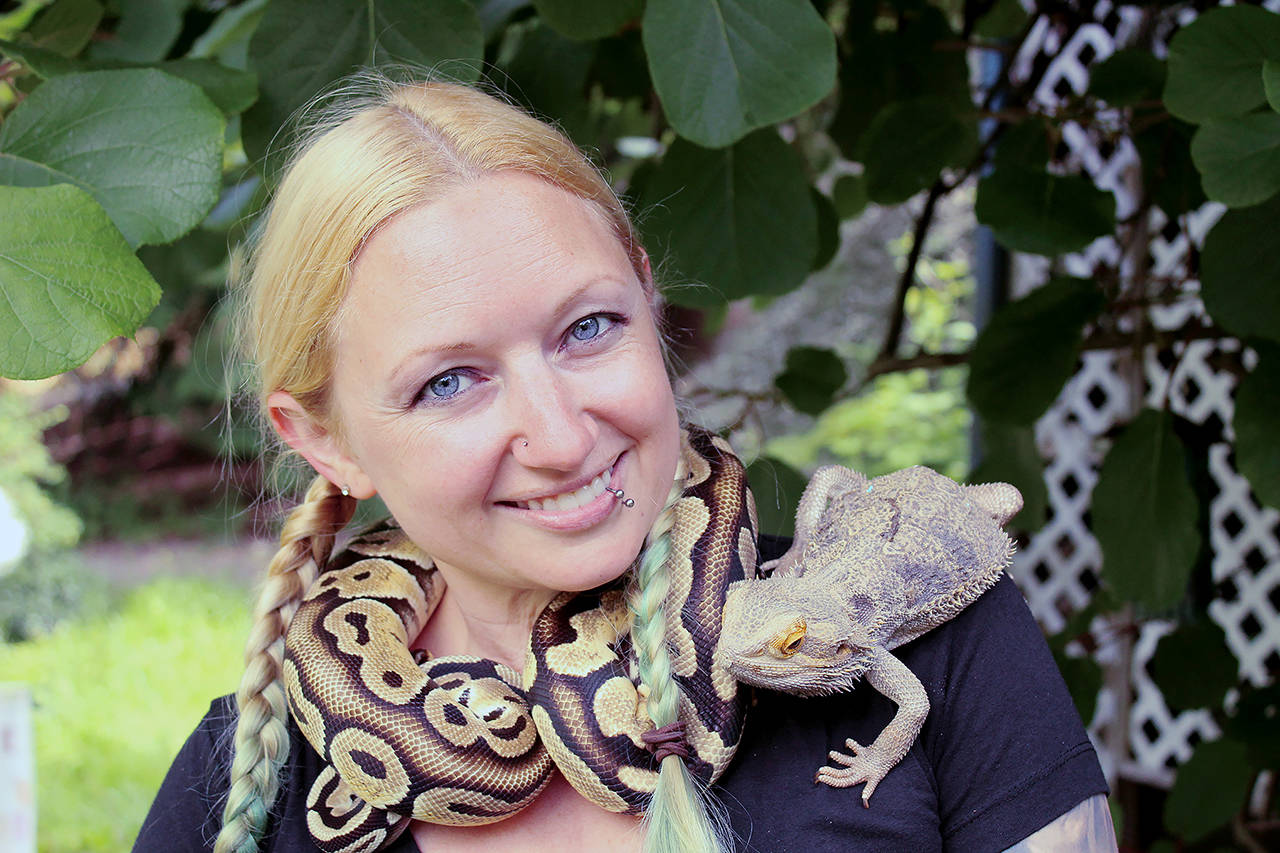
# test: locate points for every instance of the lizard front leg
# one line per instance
(872, 763)
(827, 479)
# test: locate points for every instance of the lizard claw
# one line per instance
(862, 766)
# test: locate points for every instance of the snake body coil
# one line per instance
(466, 741)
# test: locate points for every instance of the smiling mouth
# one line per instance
(571, 500)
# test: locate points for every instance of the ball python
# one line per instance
(467, 741)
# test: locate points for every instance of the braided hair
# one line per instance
(262, 734)
(680, 818)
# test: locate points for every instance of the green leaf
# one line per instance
(1210, 789)
(723, 68)
(739, 220)
(299, 50)
(227, 38)
(811, 379)
(881, 68)
(1193, 667)
(1253, 723)
(828, 229)
(1030, 210)
(1010, 455)
(620, 68)
(146, 145)
(1005, 19)
(777, 488)
(1145, 514)
(146, 31)
(68, 279)
(911, 142)
(1028, 351)
(1084, 680)
(232, 90)
(1168, 173)
(849, 195)
(1214, 63)
(42, 62)
(1240, 271)
(548, 74)
(1024, 145)
(1271, 82)
(1239, 158)
(1257, 423)
(588, 19)
(1127, 77)
(66, 26)
(197, 261)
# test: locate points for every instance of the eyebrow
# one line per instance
(405, 363)
(467, 346)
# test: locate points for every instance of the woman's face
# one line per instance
(497, 366)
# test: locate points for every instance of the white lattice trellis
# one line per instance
(1060, 567)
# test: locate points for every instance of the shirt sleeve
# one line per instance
(185, 815)
(1007, 748)
(1088, 826)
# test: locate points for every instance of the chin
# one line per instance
(584, 582)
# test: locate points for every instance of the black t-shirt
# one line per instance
(1001, 754)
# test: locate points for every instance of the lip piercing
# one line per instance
(618, 493)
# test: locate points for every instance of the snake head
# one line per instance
(789, 635)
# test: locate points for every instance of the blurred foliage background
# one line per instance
(808, 176)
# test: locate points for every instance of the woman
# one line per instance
(449, 309)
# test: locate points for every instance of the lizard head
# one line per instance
(791, 634)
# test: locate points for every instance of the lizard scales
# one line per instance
(875, 564)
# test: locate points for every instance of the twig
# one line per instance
(923, 359)
(897, 319)
(1193, 330)
(1241, 835)
(940, 188)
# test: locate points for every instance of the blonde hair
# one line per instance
(362, 162)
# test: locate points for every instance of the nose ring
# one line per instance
(618, 493)
(524, 443)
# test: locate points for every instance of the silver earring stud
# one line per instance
(346, 492)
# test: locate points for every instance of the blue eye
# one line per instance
(586, 328)
(591, 327)
(447, 385)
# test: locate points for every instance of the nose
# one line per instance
(549, 425)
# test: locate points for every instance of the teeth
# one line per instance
(574, 499)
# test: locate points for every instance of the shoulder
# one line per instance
(1004, 737)
(185, 813)
(1001, 754)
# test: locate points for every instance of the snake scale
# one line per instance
(467, 741)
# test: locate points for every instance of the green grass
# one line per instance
(115, 697)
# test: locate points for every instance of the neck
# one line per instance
(481, 620)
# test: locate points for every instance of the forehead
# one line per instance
(505, 236)
(487, 258)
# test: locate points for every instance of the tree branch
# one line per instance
(897, 319)
(1191, 331)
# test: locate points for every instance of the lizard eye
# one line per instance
(787, 643)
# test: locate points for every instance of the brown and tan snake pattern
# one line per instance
(465, 741)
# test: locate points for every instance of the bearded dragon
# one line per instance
(874, 564)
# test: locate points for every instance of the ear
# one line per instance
(646, 268)
(318, 445)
